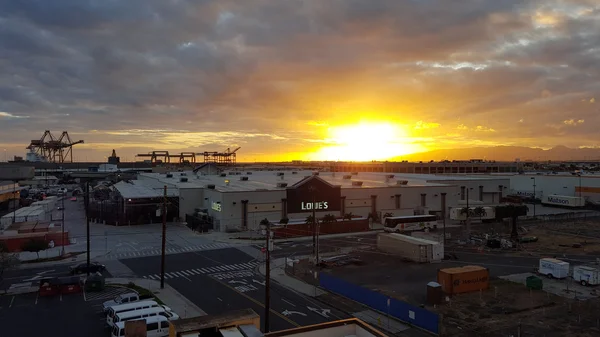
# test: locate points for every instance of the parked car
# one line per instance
(124, 299)
(82, 268)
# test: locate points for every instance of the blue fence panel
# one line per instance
(414, 315)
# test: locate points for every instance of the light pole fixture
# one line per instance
(534, 197)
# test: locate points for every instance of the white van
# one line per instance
(144, 313)
(113, 311)
(157, 326)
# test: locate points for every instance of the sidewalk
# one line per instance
(252, 237)
(278, 275)
(173, 299)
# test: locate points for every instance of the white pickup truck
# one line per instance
(123, 299)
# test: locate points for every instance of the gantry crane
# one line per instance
(54, 150)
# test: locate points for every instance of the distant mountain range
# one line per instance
(505, 153)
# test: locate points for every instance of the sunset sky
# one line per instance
(299, 79)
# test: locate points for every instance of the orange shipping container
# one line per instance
(464, 279)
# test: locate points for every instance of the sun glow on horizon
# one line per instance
(366, 142)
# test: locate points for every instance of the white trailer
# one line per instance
(554, 268)
(563, 201)
(587, 276)
(410, 248)
(455, 214)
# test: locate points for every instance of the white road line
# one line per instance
(204, 270)
(187, 279)
(178, 273)
(288, 302)
(227, 267)
(219, 299)
(11, 302)
(198, 271)
(38, 295)
(187, 273)
(169, 275)
(145, 276)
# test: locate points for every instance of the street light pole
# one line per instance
(268, 277)
(164, 240)
(87, 220)
(62, 240)
(534, 196)
(579, 175)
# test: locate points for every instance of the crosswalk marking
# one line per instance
(154, 252)
(246, 266)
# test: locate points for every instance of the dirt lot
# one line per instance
(507, 307)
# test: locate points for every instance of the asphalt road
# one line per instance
(222, 280)
(17, 276)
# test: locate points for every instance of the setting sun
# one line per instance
(366, 141)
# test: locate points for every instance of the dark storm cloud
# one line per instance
(261, 65)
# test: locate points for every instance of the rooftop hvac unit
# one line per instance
(244, 178)
(354, 173)
(357, 183)
(402, 182)
(238, 173)
(347, 176)
(183, 174)
(294, 172)
(279, 174)
(169, 175)
(231, 173)
(316, 173)
(248, 172)
(223, 175)
(281, 184)
(183, 179)
(210, 187)
(389, 176)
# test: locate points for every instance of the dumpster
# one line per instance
(94, 283)
(534, 282)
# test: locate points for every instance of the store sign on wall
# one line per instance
(216, 206)
(315, 194)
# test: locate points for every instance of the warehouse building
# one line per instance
(239, 200)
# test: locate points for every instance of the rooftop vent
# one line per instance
(169, 175)
(279, 174)
(238, 173)
(210, 187)
(316, 173)
(183, 174)
(347, 176)
(183, 179)
(294, 172)
(357, 183)
(223, 175)
(243, 178)
(402, 182)
(231, 173)
(248, 172)
(281, 184)
(354, 173)
(389, 176)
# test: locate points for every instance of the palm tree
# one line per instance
(374, 217)
(309, 219)
(348, 216)
(328, 218)
(388, 215)
(514, 212)
(284, 221)
(265, 222)
(479, 212)
(467, 211)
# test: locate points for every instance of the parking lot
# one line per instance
(30, 315)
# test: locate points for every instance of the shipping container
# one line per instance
(554, 268)
(410, 248)
(563, 201)
(587, 276)
(465, 279)
(47, 205)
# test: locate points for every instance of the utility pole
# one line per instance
(63, 224)
(314, 222)
(87, 220)
(268, 278)
(444, 215)
(164, 239)
(534, 197)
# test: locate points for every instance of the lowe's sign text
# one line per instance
(307, 206)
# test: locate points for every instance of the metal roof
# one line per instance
(136, 189)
